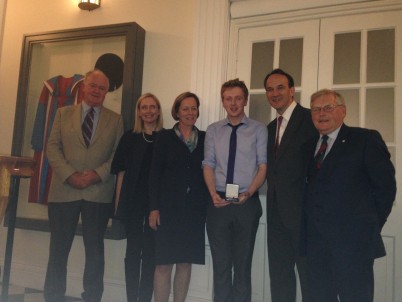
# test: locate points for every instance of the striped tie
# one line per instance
(87, 126)
(319, 157)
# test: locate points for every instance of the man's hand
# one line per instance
(154, 219)
(91, 177)
(83, 180)
(76, 181)
(218, 201)
(243, 197)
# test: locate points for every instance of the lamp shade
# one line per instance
(89, 4)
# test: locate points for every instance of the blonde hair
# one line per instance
(139, 123)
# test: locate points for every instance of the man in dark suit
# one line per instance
(349, 195)
(285, 186)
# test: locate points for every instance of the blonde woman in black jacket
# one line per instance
(131, 163)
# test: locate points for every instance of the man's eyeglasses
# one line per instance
(100, 87)
(326, 108)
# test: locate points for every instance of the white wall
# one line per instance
(167, 72)
(168, 25)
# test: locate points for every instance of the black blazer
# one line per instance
(349, 199)
(129, 157)
(176, 177)
(285, 174)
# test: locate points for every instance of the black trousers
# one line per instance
(283, 256)
(63, 220)
(336, 275)
(140, 259)
(231, 232)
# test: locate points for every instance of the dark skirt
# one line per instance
(180, 238)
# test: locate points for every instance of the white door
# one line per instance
(359, 55)
(290, 46)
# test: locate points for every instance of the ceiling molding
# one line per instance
(251, 8)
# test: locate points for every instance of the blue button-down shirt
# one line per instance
(251, 151)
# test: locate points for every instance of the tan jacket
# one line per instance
(67, 153)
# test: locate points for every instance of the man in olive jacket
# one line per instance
(81, 185)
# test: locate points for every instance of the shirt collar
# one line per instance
(334, 134)
(288, 112)
(244, 120)
(86, 107)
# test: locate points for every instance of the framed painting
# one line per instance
(50, 58)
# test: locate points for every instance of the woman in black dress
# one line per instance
(178, 199)
(131, 163)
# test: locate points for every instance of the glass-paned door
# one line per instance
(360, 56)
(292, 47)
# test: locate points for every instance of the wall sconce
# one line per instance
(89, 4)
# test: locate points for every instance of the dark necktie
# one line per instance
(232, 153)
(319, 157)
(87, 126)
(280, 119)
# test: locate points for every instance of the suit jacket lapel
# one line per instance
(271, 140)
(294, 123)
(102, 124)
(76, 123)
(337, 148)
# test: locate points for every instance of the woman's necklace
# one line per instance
(145, 139)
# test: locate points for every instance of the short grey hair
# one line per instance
(338, 97)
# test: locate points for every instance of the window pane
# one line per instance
(381, 56)
(261, 63)
(297, 97)
(347, 58)
(380, 112)
(291, 58)
(351, 97)
(260, 109)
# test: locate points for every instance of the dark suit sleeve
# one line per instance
(157, 168)
(382, 175)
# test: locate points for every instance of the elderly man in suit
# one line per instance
(286, 136)
(80, 150)
(349, 194)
